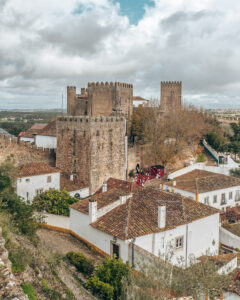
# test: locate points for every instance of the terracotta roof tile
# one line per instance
(200, 181)
(219, 260)
(35, 129)
(38, 168)
(70, 185)
(138, 98)
(50, 129)
(124, 185)
(139, 215)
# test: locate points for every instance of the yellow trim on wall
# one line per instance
(197, 197)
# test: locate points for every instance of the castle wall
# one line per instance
(92, 148)
(71, 100)
(124, 96)
(24, 152)
(171, 96)
(100, 99)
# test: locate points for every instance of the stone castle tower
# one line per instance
(100, 99)
(92, 149)
(171, 96)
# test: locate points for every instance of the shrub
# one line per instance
(112, 272)
(101, 289)
(29, 291)
(54, 202)
(201, 158)
(45, 286)
(131, 174)
(83, 264)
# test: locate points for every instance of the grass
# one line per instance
(29, 291)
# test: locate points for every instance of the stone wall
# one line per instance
(10, 287)
(24, 152)
(171, 96)
(100, 99)
(91, 148)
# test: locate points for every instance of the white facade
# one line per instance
(83, 193)
(212, 198)
(46, 141)
(26, 139)
(198, 237)
(137, 103)
(28, 187)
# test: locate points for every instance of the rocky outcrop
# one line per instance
(10, 287)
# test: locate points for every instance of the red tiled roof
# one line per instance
(219, 260)
(138, 98)
(124, 185)
(200, 181)
(50, 129)
(38, 168)
(139, 215)
(70, 185)
(35, 129)
(103, 199)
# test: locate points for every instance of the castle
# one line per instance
(92, 138)
(171, 96)
(100, 99)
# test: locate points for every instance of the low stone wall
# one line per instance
(229, 239)
(10, 287)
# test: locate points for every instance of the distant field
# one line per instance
(17, 121)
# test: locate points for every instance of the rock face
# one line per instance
(10, 287)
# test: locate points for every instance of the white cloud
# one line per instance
(49, 44)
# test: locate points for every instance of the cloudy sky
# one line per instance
(46, 45)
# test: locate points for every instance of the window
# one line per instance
(223, 199)
(215, 199)
(27, 180)
(206, 200)
(115, 250)
(179, 242)
(230, 196)
(39, 191)
(237, 196)
(49, 179)
(27, 195)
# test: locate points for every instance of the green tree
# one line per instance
(54, 202)
(112, 271)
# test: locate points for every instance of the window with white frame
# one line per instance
(215, 199)
(223, 198)
(230, 195)
(179, 242)
(49, 179)
(237, 195)
(206, 200)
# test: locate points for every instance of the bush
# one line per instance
(101, 289)
(201, 158)
(112, 272)
(29, 291)
(54, 202)
(131, 174)
(83, 264)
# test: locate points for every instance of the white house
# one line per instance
(29, 135)
(139, 101)
(36, 178)
(115, 220)
(47, 137)
(217, 190)
(74, 188)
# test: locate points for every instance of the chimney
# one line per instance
(104, 186)
(71, 177)
(162, 216)
(174, 182)
(92, 209)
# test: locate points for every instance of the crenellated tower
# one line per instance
(171, 96)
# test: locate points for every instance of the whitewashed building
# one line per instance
(118, 219)
(217, 190)
(47, 137)
(139, 101)
(36, 178)
(29, 135)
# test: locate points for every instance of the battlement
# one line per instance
(110, 84)
(87, 119)
(172, 83)
(71, 87)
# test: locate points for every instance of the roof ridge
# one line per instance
(126, 223)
